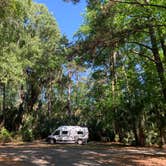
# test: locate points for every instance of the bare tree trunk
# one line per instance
(135, 131)
(161, 133)
(49, 103)
(49, 98)
(77, 86)
(4, 97)
(113, 73)
(141, 131)
(69, 94)
(161, 125)
(127, 81)
(113, 78)
(3, 103)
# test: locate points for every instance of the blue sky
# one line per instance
(68, 15)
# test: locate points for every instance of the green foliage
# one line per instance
(5, 135)
(43, 83)
(27, 128)
(27, 135)
(127, 81)
(152, 137)
(128, 139)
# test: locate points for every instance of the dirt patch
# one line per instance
(42, 154)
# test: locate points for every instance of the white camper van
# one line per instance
(69, 134)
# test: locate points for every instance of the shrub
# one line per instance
(152, 137)
(128, 138)
(5, 135)
(27, 135)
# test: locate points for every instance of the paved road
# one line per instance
(42, 154)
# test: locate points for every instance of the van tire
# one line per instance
(80, 141)
(52, 141)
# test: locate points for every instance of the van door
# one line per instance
(65, 137)
(56, 135)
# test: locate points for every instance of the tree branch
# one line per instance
(141, 4)
(140, 44)
(143, 55)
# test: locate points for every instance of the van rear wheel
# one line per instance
(80, 142)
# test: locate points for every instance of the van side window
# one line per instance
(64, 132)
(57, 132)
(79, 132)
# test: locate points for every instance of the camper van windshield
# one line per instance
(57, 132)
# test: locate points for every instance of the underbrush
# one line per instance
(21, 136)
(5, 136)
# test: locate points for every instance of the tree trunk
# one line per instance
(160, 70)
(4, 98)
(158, 62)
(112, 63)
(69, 95)
(161, 125)
(49, 103)
(77, 86)
(50, 92)
(2, 119)
(141, 132)
(113, 73)
(161, 134)
(163, 44)
(135, 131)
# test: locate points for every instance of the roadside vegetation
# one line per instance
(112, 79)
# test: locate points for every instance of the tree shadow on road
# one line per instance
(75, 155)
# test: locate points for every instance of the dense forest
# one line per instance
(111, 78)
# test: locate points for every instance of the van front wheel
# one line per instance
(52, 141)
(80, 142)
